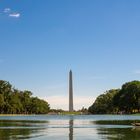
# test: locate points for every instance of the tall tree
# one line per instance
(104, 103)
(16, 102)
(129, 96)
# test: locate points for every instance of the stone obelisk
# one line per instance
(70, 92)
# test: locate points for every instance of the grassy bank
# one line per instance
(70, 113)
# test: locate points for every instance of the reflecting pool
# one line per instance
(73, 127)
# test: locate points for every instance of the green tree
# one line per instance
(5, 91)
(16, 102)
(2, 103)
(39, 106)
(16, 106)
(26, 101)
(128, 98)
(104, 103)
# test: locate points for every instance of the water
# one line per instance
(57, 127)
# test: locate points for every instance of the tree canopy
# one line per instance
(14, 101)
(126, 100)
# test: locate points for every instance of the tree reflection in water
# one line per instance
(117, 130)
(119, 133)
(15, 130)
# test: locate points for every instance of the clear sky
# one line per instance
(41, 40)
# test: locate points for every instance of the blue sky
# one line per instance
(40, 41)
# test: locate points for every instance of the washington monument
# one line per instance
(70, 92)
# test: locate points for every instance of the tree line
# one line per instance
(14, 101)
(125, 100)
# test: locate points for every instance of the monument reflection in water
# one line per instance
(71, 129)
